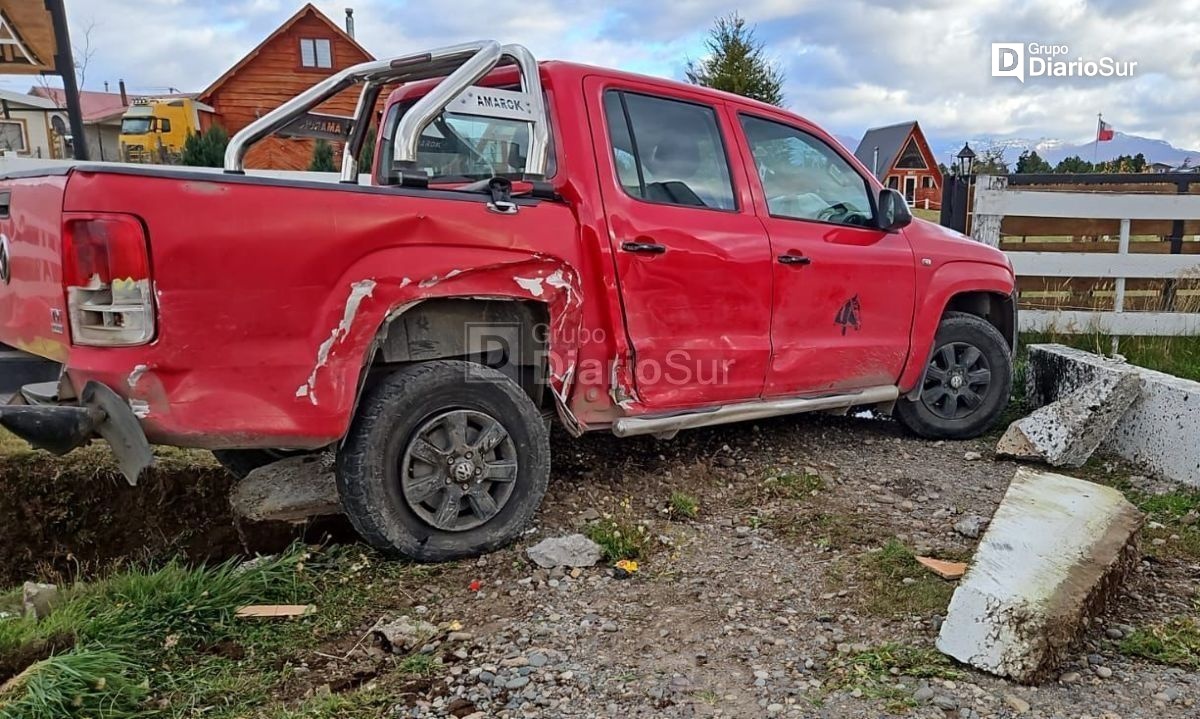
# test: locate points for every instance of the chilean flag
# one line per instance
(1104, 132)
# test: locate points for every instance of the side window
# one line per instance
(668, 151)
(164, 124)
(804, 178)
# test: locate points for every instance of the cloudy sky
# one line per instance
(849, 64)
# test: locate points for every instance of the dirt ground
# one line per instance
(788, 594)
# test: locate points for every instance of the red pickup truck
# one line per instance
(535, 240)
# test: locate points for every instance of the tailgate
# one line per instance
(32, 304)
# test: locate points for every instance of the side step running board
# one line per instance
(670, 424)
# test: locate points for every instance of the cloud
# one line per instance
(849, 65)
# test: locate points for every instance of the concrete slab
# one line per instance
(1067, 431)
(290, 490)
(1056, 551)
(1161, 429)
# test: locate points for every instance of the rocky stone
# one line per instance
(1057, 549)
(1066, 432)
(38, 600)
(973, 456)
(1017, 704)
(403, 635)
(971, 526)
(574, 550)
(290, 490)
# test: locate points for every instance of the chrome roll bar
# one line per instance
(460, 65)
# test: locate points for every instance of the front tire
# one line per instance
(967, 383)
(445, 459)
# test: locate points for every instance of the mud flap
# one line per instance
(60, 429)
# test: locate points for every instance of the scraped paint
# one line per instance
(358, 292)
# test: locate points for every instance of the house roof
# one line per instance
(97, 107)
(889, 140)
(35, 101)
(308, 9)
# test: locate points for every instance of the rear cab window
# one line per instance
(668, 151)
(457, 148)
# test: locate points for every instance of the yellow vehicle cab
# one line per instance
(154, 130)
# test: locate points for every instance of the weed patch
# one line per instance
(793, 485)
(684, 505)
(892, 583)
(619, 539)
(1175, 642)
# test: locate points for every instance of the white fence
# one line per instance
(994, 201)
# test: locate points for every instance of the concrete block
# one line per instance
(1056, 551)
(1159, 432)
(1067, 431)
(290, 490)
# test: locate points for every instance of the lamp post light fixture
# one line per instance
(966, 160)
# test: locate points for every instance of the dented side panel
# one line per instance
(267, 320)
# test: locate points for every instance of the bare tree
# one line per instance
(82, 53)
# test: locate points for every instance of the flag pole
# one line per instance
(1096, 141)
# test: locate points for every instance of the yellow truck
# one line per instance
(153, 130)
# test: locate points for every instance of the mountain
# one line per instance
(1053, 151)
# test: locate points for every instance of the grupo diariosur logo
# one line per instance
(1030, 60)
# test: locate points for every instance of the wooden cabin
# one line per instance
(306, 49)
(900, 157)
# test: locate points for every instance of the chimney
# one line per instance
(350, 21)
(124, 97)
(875, 162)
(106, 85)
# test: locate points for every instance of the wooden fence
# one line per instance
(1114, 254)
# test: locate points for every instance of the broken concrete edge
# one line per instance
(293, 489)
(1054, 555)
(1160, 432)
(1065, 432)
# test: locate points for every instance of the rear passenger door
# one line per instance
(693, 261)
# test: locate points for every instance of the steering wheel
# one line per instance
(843, 214)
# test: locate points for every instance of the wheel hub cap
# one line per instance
(957, 381)
(458, 470)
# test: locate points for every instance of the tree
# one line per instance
(367, 155)
(736, 64)
(206, 150)
(1030, 163)
(990, 161)
(1074, 165)
(322, 159)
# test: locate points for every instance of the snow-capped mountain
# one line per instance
(1053, 151)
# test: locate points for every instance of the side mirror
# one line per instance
(893, 211)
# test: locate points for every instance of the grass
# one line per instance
(1172, 518)
(684, 505)
(619, 538)
(792, 485)
(164, 642)
(886, 594)
(1175, 642)
(871, 672)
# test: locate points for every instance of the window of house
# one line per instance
(804, 178)
(911, 158)
(893, 182)
(12, 136)
(668, 151)
(316, 52)
(927, 182)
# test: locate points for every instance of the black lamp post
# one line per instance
(966, 160)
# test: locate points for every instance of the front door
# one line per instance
(910, 189)
(844, 290)
(693, 261)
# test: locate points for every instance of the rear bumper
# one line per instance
(60, 428)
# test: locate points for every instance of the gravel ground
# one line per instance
(763, 605)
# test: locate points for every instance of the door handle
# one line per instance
(790, 259)
(651, 248)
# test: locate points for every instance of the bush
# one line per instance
(206, 150)
(322, 159)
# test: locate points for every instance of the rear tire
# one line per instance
(967, 383)
(445, 459)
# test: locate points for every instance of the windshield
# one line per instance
(136, 125)
(464, 148)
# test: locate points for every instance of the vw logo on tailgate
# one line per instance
(5, 272)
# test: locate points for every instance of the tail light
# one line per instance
(106, 269)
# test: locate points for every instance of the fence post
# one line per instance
(986, 228)
(1119, 285)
